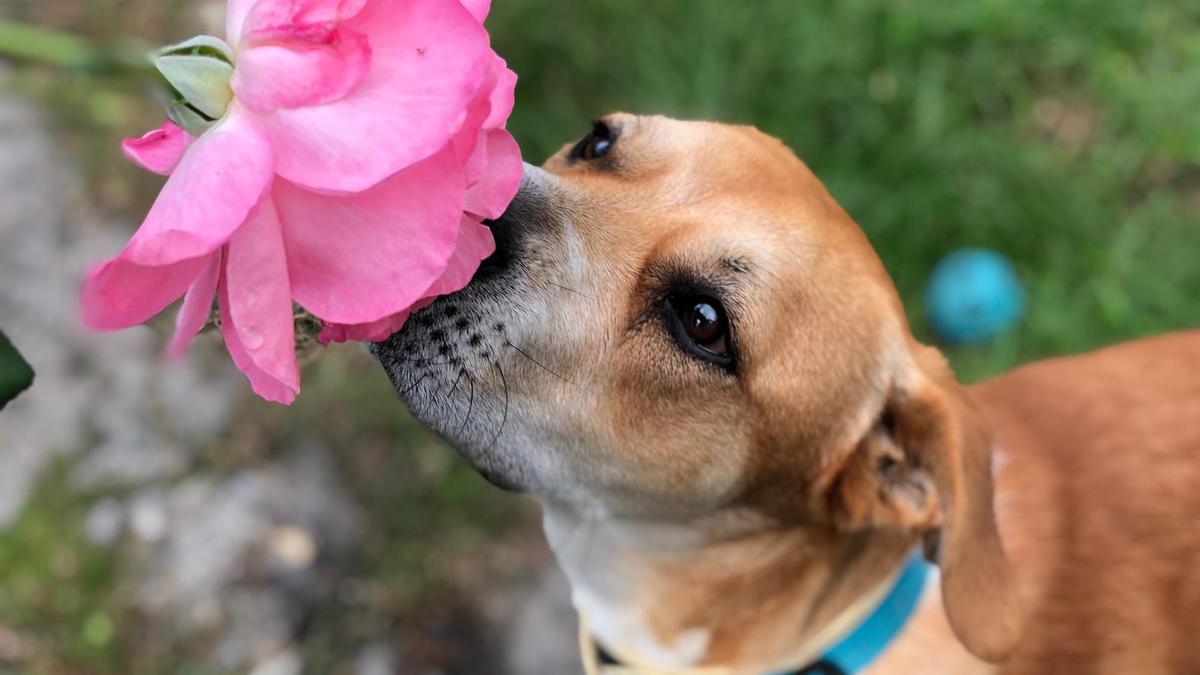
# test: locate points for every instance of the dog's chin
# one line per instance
(499, 479)
(448, 366)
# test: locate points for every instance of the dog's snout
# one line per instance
(504, 232)
(511, 227)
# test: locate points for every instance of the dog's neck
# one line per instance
(733, 590)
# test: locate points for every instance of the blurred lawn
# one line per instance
(1065, 135)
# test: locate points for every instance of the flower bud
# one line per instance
(200, 71)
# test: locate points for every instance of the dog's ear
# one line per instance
(944, 433)
(926, 468)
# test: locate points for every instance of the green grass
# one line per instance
(1064, 135)
(56, 589)
(64, 599)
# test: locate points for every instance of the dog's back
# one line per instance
(1098, 496)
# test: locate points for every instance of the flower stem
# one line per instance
(23, 42)
(31, 43)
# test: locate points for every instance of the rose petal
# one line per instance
(269, 15)
(375, 331)
(428, 57)
(490, 109)
(256, 306)
(261, 382)
(207, 196)
(503, 94)
(478, 8)
(332, 332)
(235, 18)
(475, 163)
(158, 151)
(473, 245)
(490, 196)
(468, 138)
(197, 306)
(294, 73)
(356, 258)
(119, 294)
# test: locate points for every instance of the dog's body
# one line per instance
(1097, 462)
(696, 361)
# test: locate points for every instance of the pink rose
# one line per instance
(359, 145)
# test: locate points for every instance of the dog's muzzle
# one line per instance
(453, 361)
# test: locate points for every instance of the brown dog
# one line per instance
(693, 357)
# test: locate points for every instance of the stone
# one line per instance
(376, 659)
(104, 523)
(286, 662)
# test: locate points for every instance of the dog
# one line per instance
(695, 360)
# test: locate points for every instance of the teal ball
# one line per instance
(972, 296)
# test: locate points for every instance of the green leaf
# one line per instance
(15, 373)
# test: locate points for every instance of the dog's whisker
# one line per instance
(414, 384)
(470, 407)
(569, 289)
(539, 364)
(504, 416)
(438, 391)
(458, 379)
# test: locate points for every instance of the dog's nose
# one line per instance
(503, 232)
(508, 228)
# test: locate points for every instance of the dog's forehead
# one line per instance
(704, 159)
(668, 169)
(724, 191)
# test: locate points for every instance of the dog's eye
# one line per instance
(595, 145)
(701, 327)
(703, 324)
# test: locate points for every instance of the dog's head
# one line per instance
(680, 320)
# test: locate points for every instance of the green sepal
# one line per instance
(191, 121)
(199, 69)
(201, 45)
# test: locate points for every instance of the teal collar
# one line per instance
(876, 632)
(870, 638)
